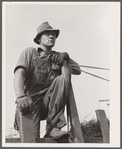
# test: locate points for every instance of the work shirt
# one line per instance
(39, 69)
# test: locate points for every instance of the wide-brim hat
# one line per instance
(42, 28)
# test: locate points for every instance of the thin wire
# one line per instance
(86, 115)
(92, 74)
(90, 67)
(95, 76)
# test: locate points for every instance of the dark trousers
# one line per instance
(51, 107)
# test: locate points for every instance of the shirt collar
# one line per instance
(38, 50)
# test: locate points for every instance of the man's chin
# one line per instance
(51, 45)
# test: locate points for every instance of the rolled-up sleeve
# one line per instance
(24, 60)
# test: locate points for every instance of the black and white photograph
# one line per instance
(61, 74)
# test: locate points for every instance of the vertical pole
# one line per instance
(71, 105)
(26, 129)
(74, 119)
(104, 125)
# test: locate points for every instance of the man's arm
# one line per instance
(75, 69)
(19, 80)
(58, 58)
(24, 103)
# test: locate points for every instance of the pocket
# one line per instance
(41, 72)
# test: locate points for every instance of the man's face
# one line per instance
(47, 39)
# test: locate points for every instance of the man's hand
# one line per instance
(58, 57)
(25, 104)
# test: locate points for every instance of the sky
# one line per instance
(89, 32)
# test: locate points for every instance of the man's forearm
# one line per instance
(19, 80)
(75, 69)
(66, 71)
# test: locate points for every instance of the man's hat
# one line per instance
(42, 28)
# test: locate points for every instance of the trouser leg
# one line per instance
(61, 122)
(56, 99)
(39, 113)
(52, 105)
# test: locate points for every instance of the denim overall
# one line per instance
(52, 97)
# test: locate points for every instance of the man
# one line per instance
(42, 82)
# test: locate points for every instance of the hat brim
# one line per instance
(36, 39)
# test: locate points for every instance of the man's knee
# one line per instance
(63, 81)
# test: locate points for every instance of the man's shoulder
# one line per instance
(29, 50)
